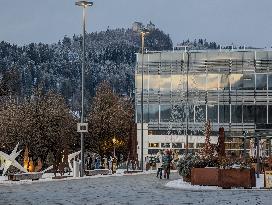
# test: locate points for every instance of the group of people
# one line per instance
(97, 162)
(164, 161)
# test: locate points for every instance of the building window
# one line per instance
(224, 113)
(165, 145)
(178, 113)
(236, 113)
(139, 82)
(261, 82)
(197, 82)
(249, 81)
(153, 112)
(224, 81)
(154, 145)
(139, 112)
(190, 145)
(200, 113)
(154, 83)
(270, 114)
(212, 81)
(261, 114)
(213, 113)
(248, 113)
(200, 145)
(177, 83)
(176, 145)
(236, 81)
(153, 151)
(165, 113)
(270, 81)
(165, 83)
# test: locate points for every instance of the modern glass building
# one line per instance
(183, 90)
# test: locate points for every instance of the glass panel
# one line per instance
(165, 145)
(270, 81)
(261, 82)
(224, 113)
(139, 82)
(236, 81)
(139, 113)
(165, 113)
(153, 151)
(212, 113)
(236, 113)
(248, 113)
(197, 82)
(212, 81)
(176, 145)
(200, 113)
(153, 145)
(154, 83)
(165, 83)
(177, 82)
(178, 113)
(261, 114)
(270, 114)
(249, 81)
(224, 82)
(153, 112)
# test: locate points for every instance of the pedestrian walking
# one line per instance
(166, 162)
(159, 164)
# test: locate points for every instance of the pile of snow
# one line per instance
(180, 184)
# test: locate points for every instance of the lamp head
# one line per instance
(84, 3)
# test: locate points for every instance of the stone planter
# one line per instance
(237, 178)
(205, 176)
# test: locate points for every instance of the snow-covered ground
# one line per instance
(180, 184)
(49, 177)
(134, 189)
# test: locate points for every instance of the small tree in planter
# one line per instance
(207, 153)
(187, 163)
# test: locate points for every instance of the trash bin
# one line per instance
(75, 169)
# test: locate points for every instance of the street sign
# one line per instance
(82, 127)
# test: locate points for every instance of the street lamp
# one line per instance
(143, 34)
(114, 141)
(84, 5)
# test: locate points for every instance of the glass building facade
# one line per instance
(183, 90)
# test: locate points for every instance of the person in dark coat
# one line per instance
(166, 162)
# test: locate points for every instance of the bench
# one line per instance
(25, 176)
(97, 172)
(132, 171)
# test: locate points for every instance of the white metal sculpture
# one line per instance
(72, 157)
(10, 160)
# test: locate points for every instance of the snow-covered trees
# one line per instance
(110, 56)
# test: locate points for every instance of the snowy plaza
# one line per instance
(124, 189)
(135, 102)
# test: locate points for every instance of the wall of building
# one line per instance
(232, 89)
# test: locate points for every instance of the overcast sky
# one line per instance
(240, 22)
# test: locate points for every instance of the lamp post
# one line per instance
(84, 5)
(114, 141)
(143, 34)
(187, 102)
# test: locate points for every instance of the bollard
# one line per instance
(75, 169)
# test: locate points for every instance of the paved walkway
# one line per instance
(137, 189)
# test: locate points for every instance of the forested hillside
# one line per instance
(110, 56)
